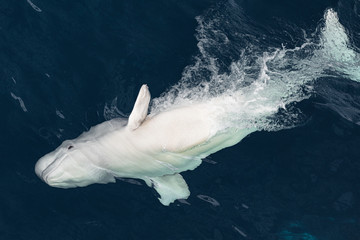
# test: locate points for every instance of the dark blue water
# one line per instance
(68, 65)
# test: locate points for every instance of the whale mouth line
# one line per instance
(51, 168)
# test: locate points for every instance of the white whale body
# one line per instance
(151, 148)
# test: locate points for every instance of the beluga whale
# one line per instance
(154, 148)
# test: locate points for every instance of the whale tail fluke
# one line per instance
(170, 188)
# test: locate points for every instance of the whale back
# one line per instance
(175, 130)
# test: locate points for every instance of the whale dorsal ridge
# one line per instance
(140, 109)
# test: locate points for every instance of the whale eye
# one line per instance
(70, 147)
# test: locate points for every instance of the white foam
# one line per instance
(208, 199)
(36, 8)
(21, 102)
(261, 82)
(245, 206)
(111, 111)
(59, 114)
(336, 50)
(239, 231)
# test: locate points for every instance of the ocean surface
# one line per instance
(291, 69)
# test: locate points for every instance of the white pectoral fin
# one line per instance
(170, 188)
(140, 109)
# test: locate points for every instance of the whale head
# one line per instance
(69, 166)
(81, 161)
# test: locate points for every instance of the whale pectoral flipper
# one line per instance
(170, 188)
(140, 108)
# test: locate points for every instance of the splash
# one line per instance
(336, 51)
(260, 88)
(36, 8)
(111, 111)
(21, 102)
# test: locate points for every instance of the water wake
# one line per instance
(261, 83)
